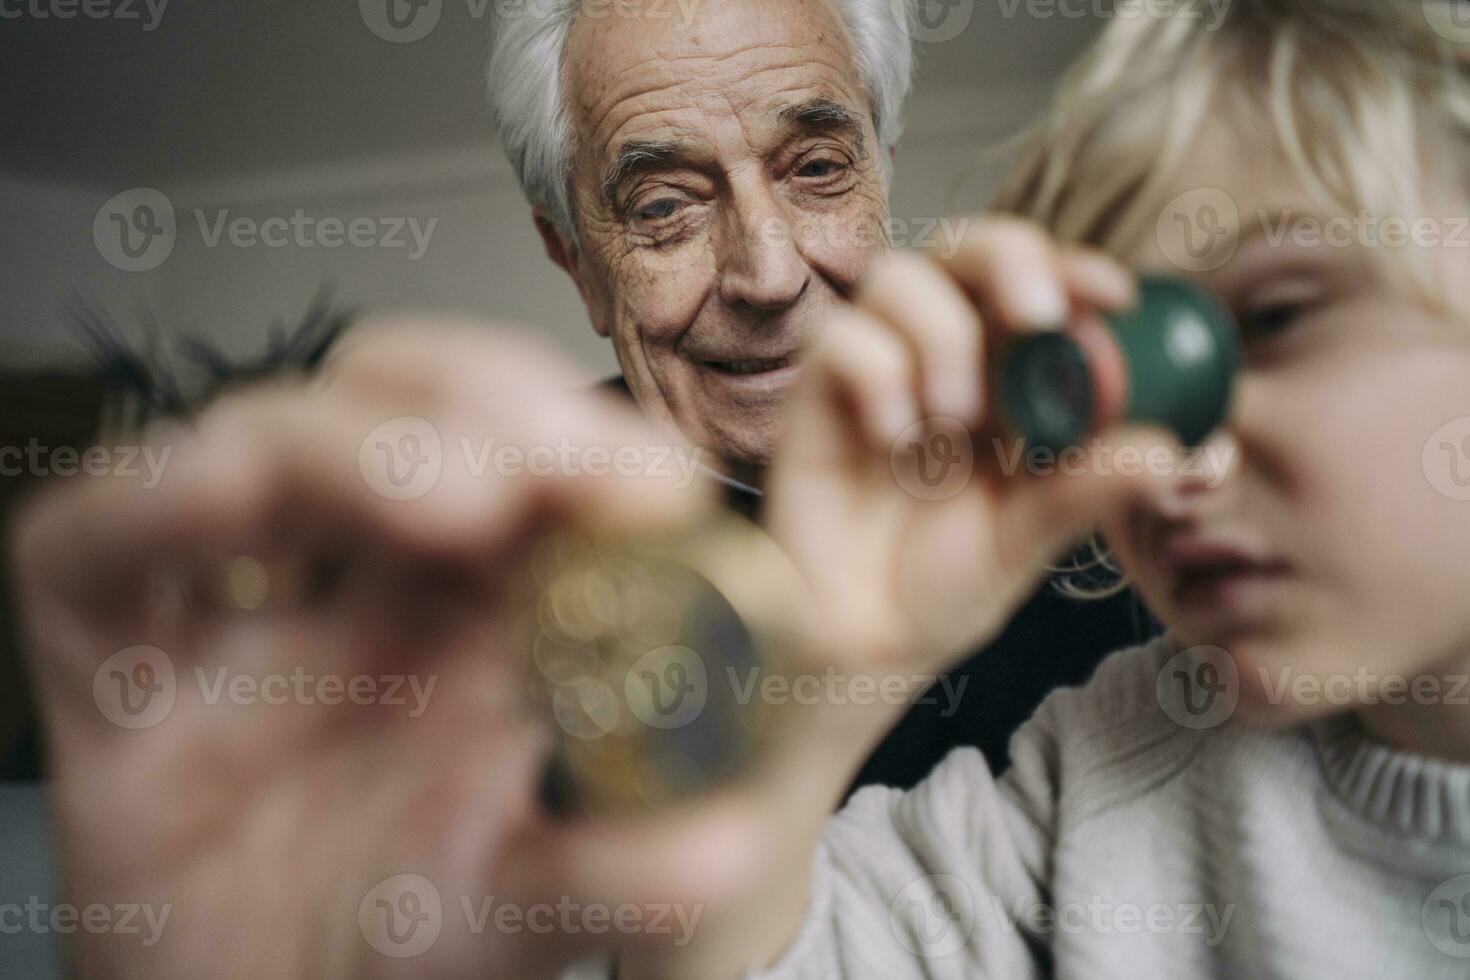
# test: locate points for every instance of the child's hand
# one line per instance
(912, 574)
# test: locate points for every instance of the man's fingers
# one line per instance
(277, 468)
(626, 475)
(692, 865)
(520, 420)
(437, 362)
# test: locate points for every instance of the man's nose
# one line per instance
(761, 264)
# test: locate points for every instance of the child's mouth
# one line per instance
(1212, 580)
(1217, 585)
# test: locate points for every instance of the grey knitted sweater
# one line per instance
(1123, 843)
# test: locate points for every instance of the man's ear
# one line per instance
(564, 252)
(559, 247)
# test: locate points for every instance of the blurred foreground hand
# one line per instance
(282, 703)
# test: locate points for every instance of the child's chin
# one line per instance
(1270, 671)
(1258, 708)
(1281, 685)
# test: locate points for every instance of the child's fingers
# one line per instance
(940, 326)
(1097, 280)
(1019, 275)
(859, 381)
(1039, 516)
(926, 304)
(1013, 268)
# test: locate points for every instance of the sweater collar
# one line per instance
(1407, 795)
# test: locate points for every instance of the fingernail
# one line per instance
(1042, 304)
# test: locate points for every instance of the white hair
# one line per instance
(529, 102)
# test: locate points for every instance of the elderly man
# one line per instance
(711, 190)
(705, 186)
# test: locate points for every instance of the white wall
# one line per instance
(481, 255)
(48, 262)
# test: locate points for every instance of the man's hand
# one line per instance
(285, 677)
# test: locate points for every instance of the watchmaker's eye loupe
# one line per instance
(1171, 360)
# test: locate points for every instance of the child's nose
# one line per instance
(1203, 473)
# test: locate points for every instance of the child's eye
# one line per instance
(1268, 321)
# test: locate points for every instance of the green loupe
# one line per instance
(1182, 352)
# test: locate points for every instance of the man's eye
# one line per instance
(817, 169)
(658, 210)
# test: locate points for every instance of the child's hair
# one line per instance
(1367, 100)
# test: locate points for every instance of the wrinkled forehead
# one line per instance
(632, 77)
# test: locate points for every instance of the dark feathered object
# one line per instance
(179, 379)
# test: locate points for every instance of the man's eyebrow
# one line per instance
(818, 115)
(823, 115)
(636, 155)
